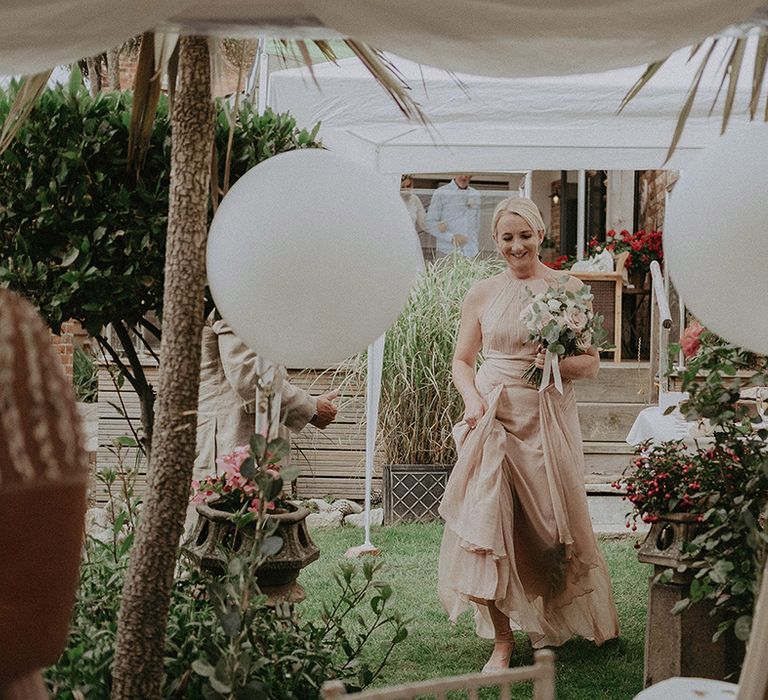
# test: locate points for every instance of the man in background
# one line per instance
(454, 217)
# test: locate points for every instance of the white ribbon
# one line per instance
(551, 366)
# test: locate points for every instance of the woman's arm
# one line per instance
(585, 366)
(468, 345)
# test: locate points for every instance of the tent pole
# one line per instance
(581, 217)
(263, 63)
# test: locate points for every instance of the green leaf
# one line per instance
(70, 257)
(230, 623)
(235, 566)
(290, 473)
(220, 686)
(248, 468)
(258, 446)
(203, 668)
(742, 627)
(681, 605)
(125, 441)
(277, 449)
(271, 546)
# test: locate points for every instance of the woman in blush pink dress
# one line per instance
(518, 544)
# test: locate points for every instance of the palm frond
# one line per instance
(688, 104)
(22, 106)
(732, 71)
(642, 81)
(761, 56)
(387, 75)
(723, 69)
(146, 95)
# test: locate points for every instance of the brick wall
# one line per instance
(72, 335)
(224, 80)
(65, 345)
(652, 187)
(554, 225)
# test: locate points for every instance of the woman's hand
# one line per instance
(541, 355)
(474, 410)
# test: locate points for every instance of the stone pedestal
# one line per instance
(680, 645)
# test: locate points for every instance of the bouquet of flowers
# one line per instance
(562, 322)
(249, 479)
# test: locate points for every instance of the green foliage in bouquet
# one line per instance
(563, 323)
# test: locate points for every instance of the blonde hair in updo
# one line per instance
(521, 206)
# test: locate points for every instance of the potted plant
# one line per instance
(643, 247)
(233, 503)
(707, 504)
(419, 404)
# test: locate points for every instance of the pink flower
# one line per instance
(690, 341)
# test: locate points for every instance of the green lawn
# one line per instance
(436, 648)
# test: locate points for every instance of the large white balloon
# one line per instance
(716, 237)
(311, 257)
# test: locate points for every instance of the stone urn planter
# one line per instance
(680, 645)
(277, 575)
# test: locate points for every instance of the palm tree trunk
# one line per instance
(113, 68)
(143, 614)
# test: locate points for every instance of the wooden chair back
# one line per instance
(542, 673)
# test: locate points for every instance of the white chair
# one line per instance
(753, 682)
(542, 673)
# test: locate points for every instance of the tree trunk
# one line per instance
(143, 613)
(113, 68)
(94, 76)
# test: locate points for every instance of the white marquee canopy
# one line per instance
(503, 124)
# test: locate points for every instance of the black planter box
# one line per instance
(412, 492)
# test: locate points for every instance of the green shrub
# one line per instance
(729, 552)
(223, 640)
(82, 236)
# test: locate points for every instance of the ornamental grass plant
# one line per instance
(419, 403)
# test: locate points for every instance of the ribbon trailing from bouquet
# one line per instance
(551, 368)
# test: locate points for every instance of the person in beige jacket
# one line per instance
(226, 415)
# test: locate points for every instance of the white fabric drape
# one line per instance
(488, 37)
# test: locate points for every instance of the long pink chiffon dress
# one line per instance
(517, 527)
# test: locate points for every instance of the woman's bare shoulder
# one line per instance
(483, 290)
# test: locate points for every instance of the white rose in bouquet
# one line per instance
(576, 318)
(584, 342)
